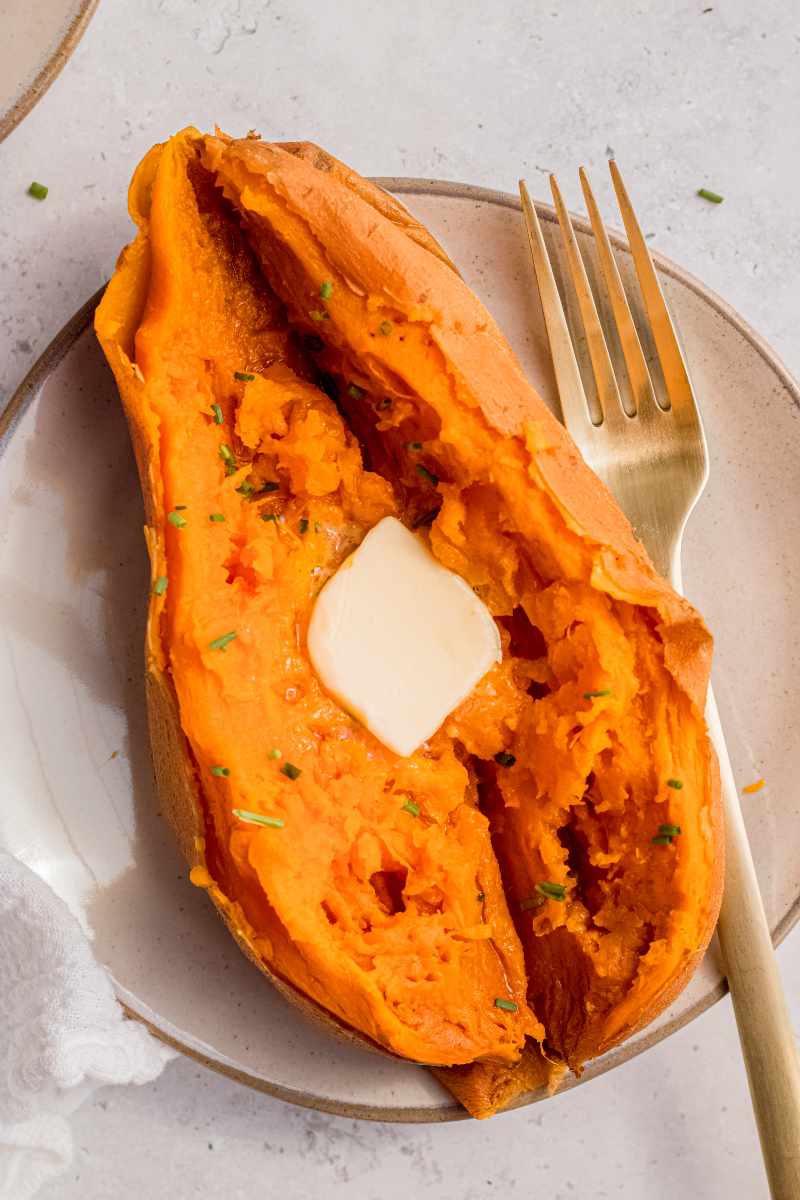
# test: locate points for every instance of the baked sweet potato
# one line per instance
(281, 332)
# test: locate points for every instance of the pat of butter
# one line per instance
(398, 639)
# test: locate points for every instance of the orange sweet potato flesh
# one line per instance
(405, 929)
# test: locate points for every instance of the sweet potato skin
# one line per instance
(511, 409)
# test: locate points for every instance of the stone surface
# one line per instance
(686, 95)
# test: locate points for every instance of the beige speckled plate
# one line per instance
(76, 795)
(36, 39)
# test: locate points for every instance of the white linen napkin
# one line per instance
(62, 1032)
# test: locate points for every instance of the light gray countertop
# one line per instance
(686, 95)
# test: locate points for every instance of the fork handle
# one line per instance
(768, 1047)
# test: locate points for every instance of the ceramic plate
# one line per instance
(38, 36)
(76, 793)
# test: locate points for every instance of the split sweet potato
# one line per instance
(281, 332)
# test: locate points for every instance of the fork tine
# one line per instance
(676, 378)
(574, 405)
(607, 390)
(638, 374)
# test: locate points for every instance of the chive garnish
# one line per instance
(270, 517)
(326, 290)
(243, 376)
(506, 1005)
(662, 839)
(669, 830)
(221, 771)
(411, 807)
(413, 447)
(220, 643)
(553, 891)
(426, 519)
(274, 754)
(245, 488)
(258, 819)
(531, 902)
(290, 770)
(385, 328)
(354, 391)
(319, 314)
(181, 507)
(160, 586)
(269, 485)
(176, 519)
(714, 197)
(227, 456)
(218, 417)
(481, 896)
(38, 191)
(427, 475)
(505, 759)
(600, 692)
(675, 783)
(216, 516)
(302, 524)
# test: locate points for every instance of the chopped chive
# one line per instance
(319, 314)
(326, 290)
(714, 197)
(313, 343)
(243, 376)
(216, 516)
(385, 328)
(677, 784)
(669, 830)
(506, 1005)
(257, 819)
(481, 896)
(302, 524)
(427, 518)
(593, 695)
(221, 771)
(505, 759)
(226, 454)
(181, 507)
(160, 586)
(274, 754)
(270, 517)
(531, 902)
(176, 519)
(38, 191)
(221, 642)
(230, 468)
(317, 527)
(245, 488)
(355, 392)
(411, 807)
(553, 891)
(427, 475)
(662, 839)
(218, 417)
(269, 485)
(290, 770)
(413, 447)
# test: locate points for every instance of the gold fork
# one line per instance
(639, 428)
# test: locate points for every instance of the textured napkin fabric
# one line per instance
(62, 1032)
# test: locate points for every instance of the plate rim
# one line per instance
(58, 58)
(27, 390)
